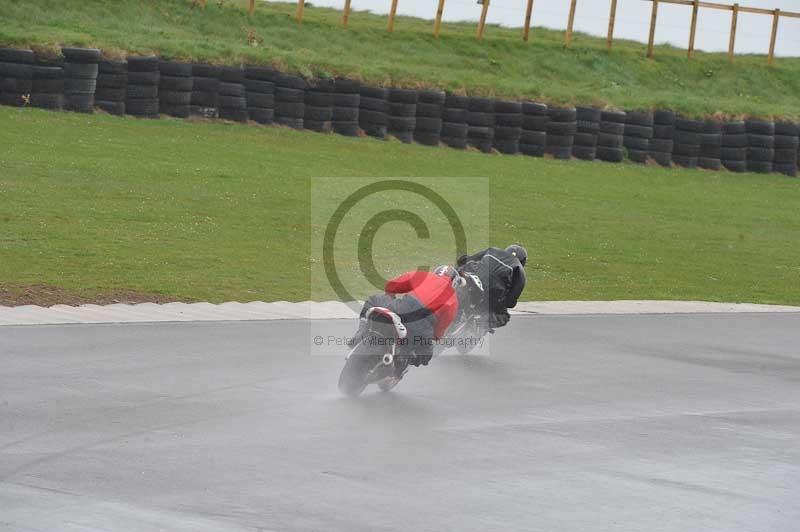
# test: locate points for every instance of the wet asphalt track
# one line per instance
(623, 423)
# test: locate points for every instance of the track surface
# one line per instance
(657, 423)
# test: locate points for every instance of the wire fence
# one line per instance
(527, 10)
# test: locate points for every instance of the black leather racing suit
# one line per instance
(503, 279)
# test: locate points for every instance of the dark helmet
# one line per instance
(519, 252)
(451, 273)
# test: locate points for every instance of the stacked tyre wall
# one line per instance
(83, 80)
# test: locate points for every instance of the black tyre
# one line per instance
(267, 101)
(760, 154)
(506, 146)
(239, 115)
(232, 102)
(532, 150)
(785, 156)
(112, 81)
(686, 137)
(261, 87)
(320, 126)
(345, 114)
(368, 103)
(402, 109)
(407, 96)
(16, 71)
(47, 72)
(535, 122)
(480, 133)
(178, 111)
(141, 107)
(508, 119)
(142, 91)
(480, 119)
(505, 133)
(760, 127)
(733, 154)
(661, 145)
(637, 156)
(79, 86)
(175, 98)
(608, 154)
(693, 126)
(684, 161)
(609, 141)
(584, 153)
(79, 103)
(663, 118)
(17, 55)
(200, 70)
(686, 150)
(374, 130)
(372, 117)
(458, 143)
(428, 125)
(175, 83)
(734, 140)
(454, 130)
(559, 141)
(635, 143)
(112, 67)
(637, 131)
(536, 138)
(534, 109)
(289, 110)
(262, 116)
(612, 128)
(232, 75)
(427, 139)
(204, 111)
(82, 55)
(735, 166)
(709, 164)
(260, 74)
(205, 84)
(54, 102)
(661, 158)
(429, 110)
(760, 141)
(175, 69)
(319, 99)
(48, 86)
(733, 128)
(378, 93)
(143, 64)
(614, 117)
(561, 128)
(585, 140)
(588, 114)
(786, 142)
(144, 78)
(480, 105)
(232, 89)
(346, 100)
(110, 95)
(761, 167)
(317, 114)
(559, 114)
(663, 132)
(636, 118)
(205, 99)
(433, 97)
(785, 169)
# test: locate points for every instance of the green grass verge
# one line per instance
(502, 65)
(219, 211)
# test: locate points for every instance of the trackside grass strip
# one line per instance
(502, 65)
(217, 211)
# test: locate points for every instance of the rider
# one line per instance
(502, 274)
(427, 308)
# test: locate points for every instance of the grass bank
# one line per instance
(216, 211)
(502, 65)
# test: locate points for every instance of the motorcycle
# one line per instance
(374, 358)
(472, 323)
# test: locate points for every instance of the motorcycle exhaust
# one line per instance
(388, 358)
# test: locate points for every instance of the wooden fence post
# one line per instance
(298, 15)
(346, 14)
(734, 22)
(693, 29)
(251, 7)
(652, 40)
(612, 17)
(775, 18)
(570, 22)
(437, 26)
(392, 14)
(482, 23)
(528, 13)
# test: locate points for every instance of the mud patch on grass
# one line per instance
(47, 296)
